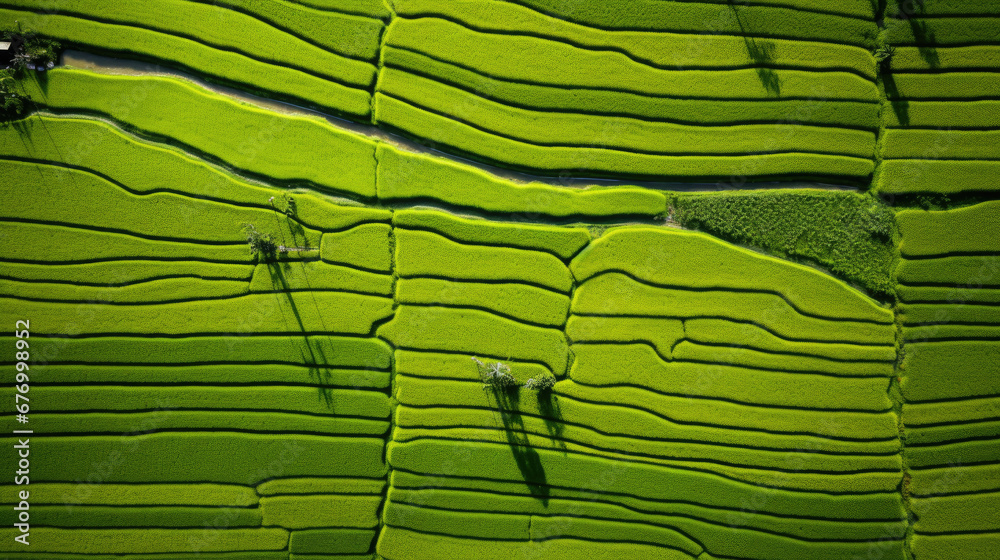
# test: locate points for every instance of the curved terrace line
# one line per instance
(482, 243)
(721, 3)
(637, 341)
(730, 400)
(416, 490)
(204, 44)
(775, 293)
(164, 190)
(248, 293)
(779, 179)
(484, 309)
(202, 243)
(655, 461)
(109, 65)
(626, 436)
(532, 539)
(624, 52)
(872, 101)
(615, 149)
(339, 9)
(708, 32)
(787, 352)
(958, 440)
(207, 431)
(658, 415)
(501, 281)
(292, 32)
(297, 334)
(598, 492)
(672, 420)
(210, 411)
(635, 116)
(525, 540)
(157, 278)
(946, 254)
(719, 441)
(951, 464)
(953, 423)
(665, 362)
(877, 532)
(736, 321)
(216, 162)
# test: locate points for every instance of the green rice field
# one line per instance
(500, 279)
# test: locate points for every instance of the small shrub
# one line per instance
(884, 54)
(541, 384)
(496, 375)
(260, 243)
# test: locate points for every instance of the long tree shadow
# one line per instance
(926, 42)
(760, 52)
(911, 11)
(527, 459)
(508, 400)
(21, 127)
(311, 352)
(900, 106)
(548, 405)
(42, 80)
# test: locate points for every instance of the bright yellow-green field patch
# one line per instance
(306, 512)
(403, 175)
(562, 241)
(421, 253)
(272, 145)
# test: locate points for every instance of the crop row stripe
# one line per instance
(628, 54)
(196, 40)
(569, 88)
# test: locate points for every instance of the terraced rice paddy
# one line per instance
(951, 378)
(808, 371)
(941, 135)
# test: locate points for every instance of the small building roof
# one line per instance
(4, 46)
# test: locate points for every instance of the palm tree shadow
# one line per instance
(761, 53)
(900, 106)
(911, 10)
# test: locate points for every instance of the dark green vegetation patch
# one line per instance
(851, 235)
